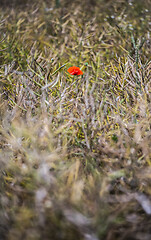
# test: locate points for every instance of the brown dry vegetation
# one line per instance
(75, 152)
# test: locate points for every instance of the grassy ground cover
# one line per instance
(75, 151)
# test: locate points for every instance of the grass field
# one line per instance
(75, 151)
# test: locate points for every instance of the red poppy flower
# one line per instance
(75, 71)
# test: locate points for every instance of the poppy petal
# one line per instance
(75, 71)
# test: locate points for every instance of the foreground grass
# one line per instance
(75, 152)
